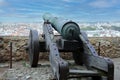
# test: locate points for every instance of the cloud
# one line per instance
(14, 15)
(26, 10)
(32, 15)
(74, 1)
(67, 0)
(117, 12)
(103, 3)
(3, 3)
(1, 11)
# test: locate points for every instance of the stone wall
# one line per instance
(110, 47)
(18, 48)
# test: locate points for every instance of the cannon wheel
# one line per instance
(33, 46)
(78, 54)
(78, 57)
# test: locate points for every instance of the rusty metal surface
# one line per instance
(10, 54)
(99, 48)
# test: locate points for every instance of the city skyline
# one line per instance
(78, 10)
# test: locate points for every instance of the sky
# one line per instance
(78, 10)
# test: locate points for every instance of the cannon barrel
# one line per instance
(67, 28)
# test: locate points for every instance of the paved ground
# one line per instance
(22, 71)
(117, 68)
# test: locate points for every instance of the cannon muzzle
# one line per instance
(67, 28)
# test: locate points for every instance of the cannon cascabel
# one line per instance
(67, 28)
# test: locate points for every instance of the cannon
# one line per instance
(68, 29)
(86, 61)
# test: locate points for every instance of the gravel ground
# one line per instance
(22, 71)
